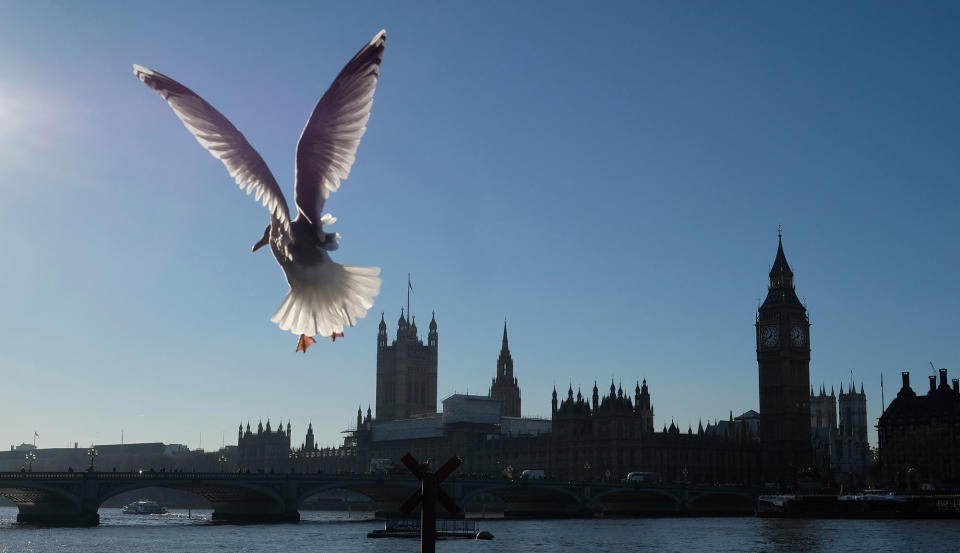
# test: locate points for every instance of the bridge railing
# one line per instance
(160, 476)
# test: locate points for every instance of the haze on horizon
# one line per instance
(609, 179)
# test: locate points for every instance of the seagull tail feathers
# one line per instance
(333, 297)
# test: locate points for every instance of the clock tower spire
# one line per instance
(783, 359)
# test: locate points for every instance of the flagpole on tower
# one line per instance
(409, 289)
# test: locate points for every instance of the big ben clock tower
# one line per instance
(783, 357)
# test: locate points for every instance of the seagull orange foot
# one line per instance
(336, 335)
(305, 342)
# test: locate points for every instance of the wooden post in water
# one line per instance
(428, 515)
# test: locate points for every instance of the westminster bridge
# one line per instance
(73, 498)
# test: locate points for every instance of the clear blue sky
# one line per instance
(607, 177)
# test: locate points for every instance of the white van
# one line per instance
(533, 474)
(643, 477)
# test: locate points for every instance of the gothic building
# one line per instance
(841, 452)
(853, 450)
(265, 451)
(919, 436)
(608, 438)
(406, 371)
(504, 387)
(823, 430)
(783, 359)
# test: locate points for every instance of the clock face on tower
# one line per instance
(769, 336)
(797, 336)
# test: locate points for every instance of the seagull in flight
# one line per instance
(324, 296)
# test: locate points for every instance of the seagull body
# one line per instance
(324, 296)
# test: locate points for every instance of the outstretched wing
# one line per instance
(215, 133)
(329, 141)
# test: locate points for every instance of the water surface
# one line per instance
(338, 531)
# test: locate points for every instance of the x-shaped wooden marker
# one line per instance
(430, 494)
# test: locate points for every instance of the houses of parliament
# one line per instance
(603, 436)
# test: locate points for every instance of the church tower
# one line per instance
(406, 371)
(505, 387)
(783, 358)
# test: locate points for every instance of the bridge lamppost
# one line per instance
(222, 460)
(294, 455)
(92, 453)
(31, 457)
(586, 471)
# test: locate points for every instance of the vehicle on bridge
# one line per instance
(533, 474)
(381, 466)
(643, 477)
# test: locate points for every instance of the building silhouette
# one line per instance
(841, 452)
(823, 430)
(505, 388)
(266, 450)
(406, 371)
(919, 436)
(783, 358)
(853, 449)
(611, 436)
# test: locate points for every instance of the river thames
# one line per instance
(338, 531)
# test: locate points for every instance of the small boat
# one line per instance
(144, 507)
(446, 529)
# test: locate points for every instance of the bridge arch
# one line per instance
(379, 491)
(635, 501)
(43, 502)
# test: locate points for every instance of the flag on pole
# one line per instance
(35, 435)
(409, 284)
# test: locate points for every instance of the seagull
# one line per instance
(324, 296)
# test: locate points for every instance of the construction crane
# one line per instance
(932, 368)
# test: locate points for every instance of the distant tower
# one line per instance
(643, 407)
(783, 357)
(309, 443)
(823, 429)
(854, 451)
(406, 372)
(553, 402)
(505, 387)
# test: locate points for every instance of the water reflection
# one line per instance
(783, 535)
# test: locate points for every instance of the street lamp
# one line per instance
(31, 457)
(222, 460)
(586, 470)
(92, 454)
(293, 460)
